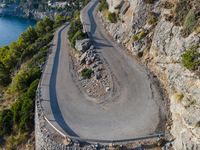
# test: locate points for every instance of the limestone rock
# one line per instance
(107, 89)
(98, 75)
(166, 47)
(83, 57)
(113, 4)
(83, 45)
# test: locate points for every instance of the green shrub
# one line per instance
(5, 78)
(191, 59)
(75, 26)
(112, 17)
(29, 36)
(79, 35)
(135, 38)
(6, 119)
(76, 30)
(44, 26)
(22, 61)
(59, 20)
(139, 35)
(86, 73)
(24, 78)
(103, 5)
(23, 109)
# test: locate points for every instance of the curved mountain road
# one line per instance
(137, 111)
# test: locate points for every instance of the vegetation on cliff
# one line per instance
(103, 5)
(191, 59)
(185, 13)
(20, 69)
(111, 16)
(76, 29)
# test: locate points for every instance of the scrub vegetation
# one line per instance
(20, 70)
(76, 29)
(191, 59)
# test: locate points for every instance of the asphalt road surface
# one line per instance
(137, 111)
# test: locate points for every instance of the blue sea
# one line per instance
(12, 27)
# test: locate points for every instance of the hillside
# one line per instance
(164, 35)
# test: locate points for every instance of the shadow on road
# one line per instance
(53, 93)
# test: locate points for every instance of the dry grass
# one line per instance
(14, 141)
(105, 13)
(178, 97)
(139, 35)
(197, 30)
(152, 18)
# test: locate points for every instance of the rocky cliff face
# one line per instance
(147, 28)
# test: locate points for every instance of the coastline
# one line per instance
(10, 24)
(18, 11)
(34, 14)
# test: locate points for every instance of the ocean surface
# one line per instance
(12, 27)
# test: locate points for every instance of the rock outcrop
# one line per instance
(83, 45)
(161, 45)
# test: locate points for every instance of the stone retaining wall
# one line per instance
(42, 136)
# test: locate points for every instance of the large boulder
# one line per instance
(83, 45)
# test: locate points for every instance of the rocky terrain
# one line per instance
(90, 71)
(157, 32)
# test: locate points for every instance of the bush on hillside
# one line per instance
(6, 121)
(22, 61)
(59, 20)
(112, 17)
(191, 59)
(76, 31)
(86, 73)
(103, 5)
(139, 35)
(23, 109)
(24, 78)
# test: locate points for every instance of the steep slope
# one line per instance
(160, 32)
